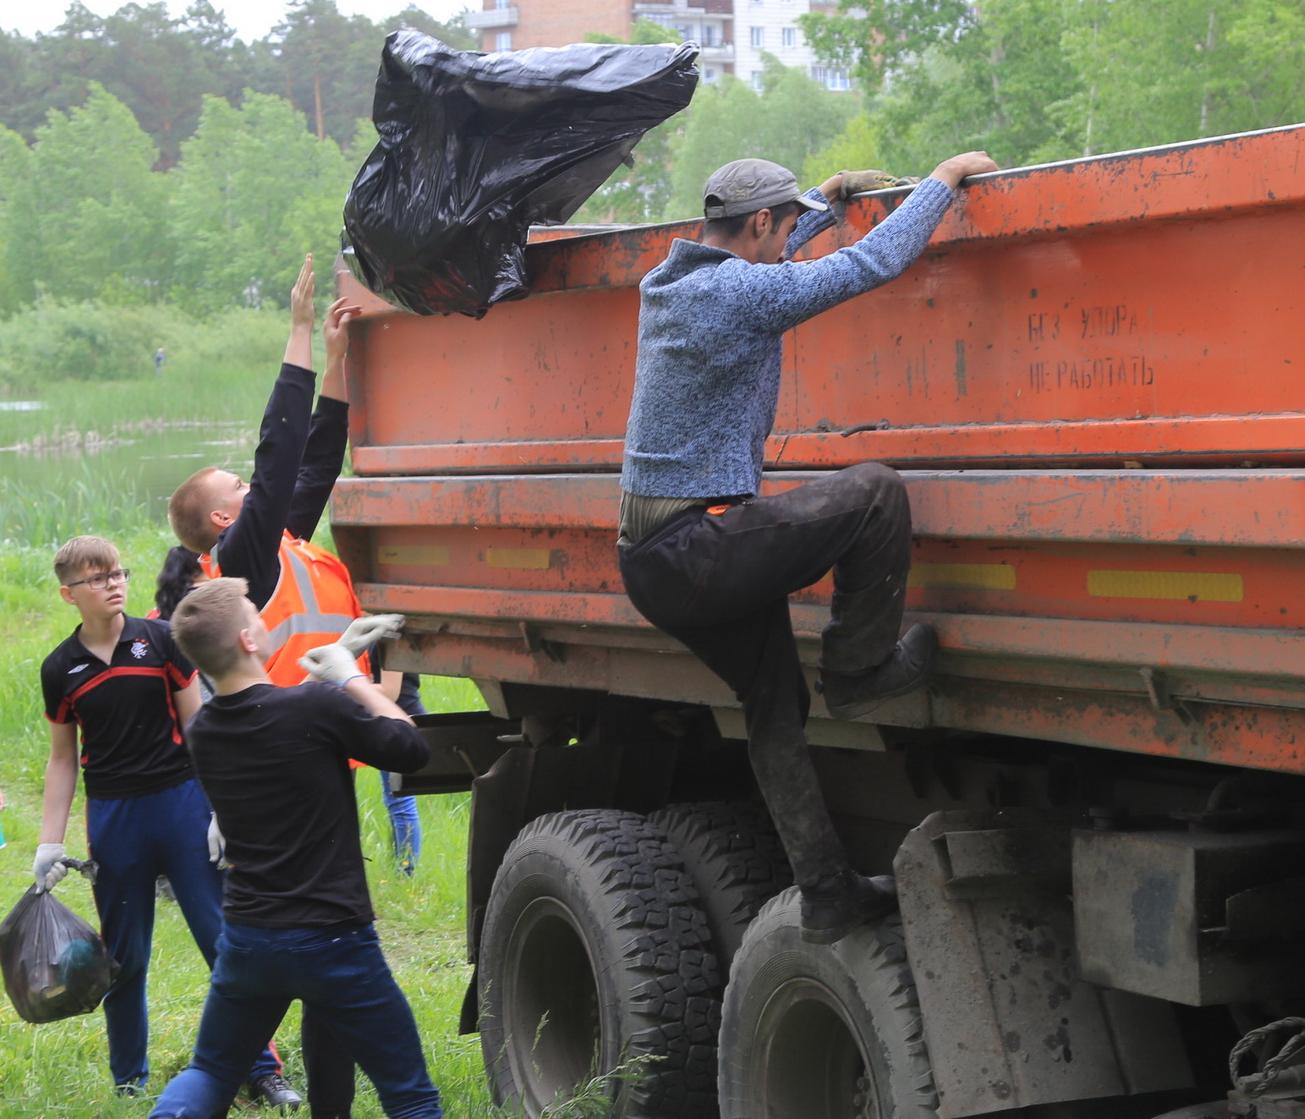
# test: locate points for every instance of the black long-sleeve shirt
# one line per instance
(275, 765)
(299, 457)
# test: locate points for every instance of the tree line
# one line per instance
(1029, 81)
(321, 61)
(148, 159)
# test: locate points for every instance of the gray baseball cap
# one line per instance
(747, 185)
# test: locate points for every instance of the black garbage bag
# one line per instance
(475, 147)
(55, 965)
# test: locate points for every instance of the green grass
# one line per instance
(61, 1069)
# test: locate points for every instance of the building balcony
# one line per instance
(491, 18)
(717, 52)
(724, 8)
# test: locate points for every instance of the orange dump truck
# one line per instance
(1093, 385)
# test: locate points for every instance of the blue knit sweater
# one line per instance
(706, 380)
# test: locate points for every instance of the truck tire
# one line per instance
(595, 953)
(825, 1032)
(735, 859)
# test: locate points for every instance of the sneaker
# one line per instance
(849, 697)
(273, 1090)
(830, 912)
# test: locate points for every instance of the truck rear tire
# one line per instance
(825, 1032)
(595, 953)
(735, 859)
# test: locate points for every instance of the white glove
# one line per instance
(332, 664)
(217, 846)
(46, 867)
(363, 633)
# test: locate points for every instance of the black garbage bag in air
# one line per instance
(55, 965)
(475, 147)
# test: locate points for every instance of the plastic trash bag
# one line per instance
(476, 147)
(55, 965)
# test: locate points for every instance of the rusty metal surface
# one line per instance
(1008, 1021)
(1079, 593)
(463, 746)
(1159, 290)
(1153, 610)
(1150, 914)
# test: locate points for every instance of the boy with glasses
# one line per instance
(124, 682)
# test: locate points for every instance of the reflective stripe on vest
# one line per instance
(311, 619)
(295, 617)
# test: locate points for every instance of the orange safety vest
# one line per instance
(312, 605)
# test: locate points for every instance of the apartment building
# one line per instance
(733, 34)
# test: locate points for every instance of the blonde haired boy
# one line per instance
(124, 682)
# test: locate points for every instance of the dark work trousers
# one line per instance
(338, 972)
(134, 840)
(719, 582)
(327, 1061)
(329, 1065)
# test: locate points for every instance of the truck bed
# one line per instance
(1090, 382)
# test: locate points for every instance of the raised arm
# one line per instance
(249, 548)
(780, 296)
(323, 456)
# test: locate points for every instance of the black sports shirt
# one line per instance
(131, 736)
(275, 765)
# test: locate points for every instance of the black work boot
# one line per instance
(839, 903)
(908, 667)
(274, 1090)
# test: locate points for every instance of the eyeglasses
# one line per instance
(102, 579)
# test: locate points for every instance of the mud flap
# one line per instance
(986, 905)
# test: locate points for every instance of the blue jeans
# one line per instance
(340, 974)
(134, 840)
(405, 824)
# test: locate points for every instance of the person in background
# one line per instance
(404, 688)
(180, 572)
(298, 918)
(123, 681)
(159, 358)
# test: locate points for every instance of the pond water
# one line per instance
(151, 463)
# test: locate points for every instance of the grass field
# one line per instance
(61, 1069)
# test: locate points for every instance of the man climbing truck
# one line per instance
(1093, 810)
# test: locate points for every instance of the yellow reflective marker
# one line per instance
(526, 559)
(1196, 586)
(423, 555)
(970, 576)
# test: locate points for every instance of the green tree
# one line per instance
(858, 147)
(637, 192)
(1035, 80)
(987, 88)
(791, 118)
(241, 223)
(454, 32)
(19, 244)
(22, 96)
(101, 226)
(875, 38)
(1269, 38)
(1158, 73)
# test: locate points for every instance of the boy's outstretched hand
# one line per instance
(335, 329)
(301, 296)
(299, 349)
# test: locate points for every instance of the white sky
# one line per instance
(251, 19)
